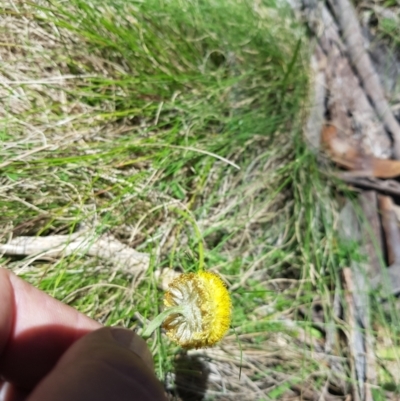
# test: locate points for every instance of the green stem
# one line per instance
(158, 320)
(198, 235)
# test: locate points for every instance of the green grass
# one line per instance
(171, 125)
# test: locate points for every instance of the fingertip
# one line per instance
(35, 330)
(104, 365)
(9, 392)
(132, 341)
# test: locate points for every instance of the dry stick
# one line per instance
(372, 232)
(104, 247)
(315, 121)
(348, 21)
(356, 341)
(371, 376)
(391, 282)
(372, 247)
(389, 223)
(388, 186)
(361, 342)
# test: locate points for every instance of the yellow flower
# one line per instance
(204, 309)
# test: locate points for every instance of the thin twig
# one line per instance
(392, 234)
(390, 187)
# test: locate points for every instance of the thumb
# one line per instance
(107, 364)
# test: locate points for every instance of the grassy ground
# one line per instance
(171, 125)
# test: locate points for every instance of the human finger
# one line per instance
(105, 365)
(8, 392)
(35, 330)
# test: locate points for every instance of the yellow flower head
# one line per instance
(205, 309)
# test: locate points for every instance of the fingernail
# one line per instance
(129, 339)
(123, 337)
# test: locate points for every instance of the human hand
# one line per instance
(51, 352)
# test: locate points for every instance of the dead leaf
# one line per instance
(338, 148)
(347, 156)
(385, 168)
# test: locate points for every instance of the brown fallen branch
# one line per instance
(390, 281)
(371, 375)
(391, 229)
(104, 247)
(360, 59)
(357, 282)
(355, 340)
(372, 232)
(389, 187)
(372, 247)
